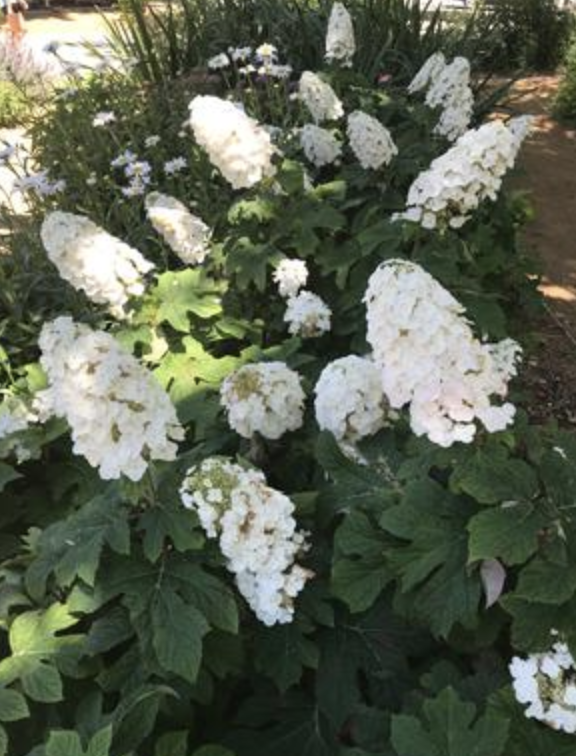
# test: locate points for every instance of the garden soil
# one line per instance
(547, 172)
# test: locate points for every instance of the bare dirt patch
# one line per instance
(548, 174)
(62, 23)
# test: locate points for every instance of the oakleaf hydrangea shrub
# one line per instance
(269, 483)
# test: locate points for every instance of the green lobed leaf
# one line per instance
(432, 564)
(509, 533)
(72, 548)
(359, 580)
(177, 631)
(172, 604)
(449, 727)
(39, 651)
(491, 476)
(283, 652)
(186, 292)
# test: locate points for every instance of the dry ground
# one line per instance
(61, 24)
(548, 173)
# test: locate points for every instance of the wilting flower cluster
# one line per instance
(265, 398)
(340, 42)
(290, 275)
(468, 173)
(119, 416)
(107, 269)
(186, 235)
(429, 358)
(349, 401)
(319, 145)
(319, 97)
(257, 534)
(547, 683)
(370, 141)
(236, 144)
(307, 315)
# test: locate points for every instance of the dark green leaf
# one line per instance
(491, 476)
(7, 475)
(449, 727)
(282, 652)
(172, 744)
(509, 533)
(13, 706)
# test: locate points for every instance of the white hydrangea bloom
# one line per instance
(265, 398)
(307, 315)
(429, 358)
(107, 269)
(370, 141)
(432, 67)
(185, 234)
(468, 173)
(257, 534)
(320, 146)
(319, 97)
(340, 42)
(15, 418)
(236, 144)
(349, 401)
(450, 90)
(547, 683)
(119, 415)
(290, 275)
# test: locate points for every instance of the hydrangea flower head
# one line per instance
(290, 275)
(236, 144)
(319, 145)
(257, 534)
(265, 398)
(370, 141)
(547, 683)
(468, 173)
(320, 99)
(350, 402)
(340, 42)
(119, 415)
(185, 234)
(428, 356)
(105, 268)
(307, 315)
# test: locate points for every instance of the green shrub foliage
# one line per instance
(565, 102)
(429, 568)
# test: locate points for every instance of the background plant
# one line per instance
(565, 103)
